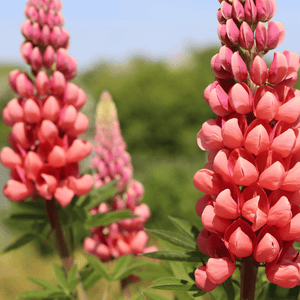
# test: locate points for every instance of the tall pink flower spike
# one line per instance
(252, 179)
(45, 118)
(113, 162)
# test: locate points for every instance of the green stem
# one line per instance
(61, 244)
(249, 268)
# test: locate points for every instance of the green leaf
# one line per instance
(175, 239)
(199, 294)
(129, 270)
(122, 263)
(174, 255)
(154, 295)
(60, 276)
(173, 284)
(91, 280)
(72, 274)
(108, 218)
(72, 285)
(228, 288)
(41, 294)
(179, 271)
(45, 284)
(185, 227)
(98, 266)
(23, 240)
(28, 217)
(36, 206)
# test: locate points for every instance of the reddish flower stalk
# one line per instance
(113, 162)
(251, 209)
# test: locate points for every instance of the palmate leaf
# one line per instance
(154, 295)
(108, 218)
(21, 241)
(175, 239)
(42, 294)
(174, 255)
(45, 284)
(98, 266)
(185, 227)
(174, 284)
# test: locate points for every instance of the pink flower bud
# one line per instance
(257, 137)
(226, 10)
(32, 13)
(280, 213)
(89, 245)
(220, 165)
(218, 101)
(9, 158)
(240, 98)
(139, 242)
(24, 86)
(259, 71)
(42, 17)
(246, 36)
(78, 151)
(26, 50)
(240, 238)
(220, 17)
(239, 68)
(219, 269)
(238, 11)
(71, 71)
(278, 68)
(207, 182)
(57, 157)
(36, 33)
(58, 83)
(13, 79)
(266, 105)
(250, 11)
(33, 165)
(71, 93)
(45, 35)
(55, 36)
(266, 9)
(210, 136)
(59, 19)
(233, 131)
(276, 34)
(81, 99)
(36, 60)
(19, 134)
(233, 32)
(26, 29)
(293, 63)
(80, 126)
(64, 39)
(225, 206)
(49, 56)
(290, 111)
(62, 58)
(32, 112)
(50, 19)
(225, 55)
(261, 36)
(47, 131)
(15, 111)
(81, 186)
(291, 182)
(67, 117)
(42, 83)
(63, 195)
(222, 33)
(202, 280)
(218, 69)
(51, 109)
(292, 230)
(18, 191)
(285, 275)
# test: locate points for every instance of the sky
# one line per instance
(116, 30)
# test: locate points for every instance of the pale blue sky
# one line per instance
(115, 30)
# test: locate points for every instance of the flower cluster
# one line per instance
(252, 178)
(45, 116)
(112, 162)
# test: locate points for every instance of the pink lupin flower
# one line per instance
(111, 162)
(46, 149)
(250, 210)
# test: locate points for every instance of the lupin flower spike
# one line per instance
(45, 115)
(112, 162)
(251, 207)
